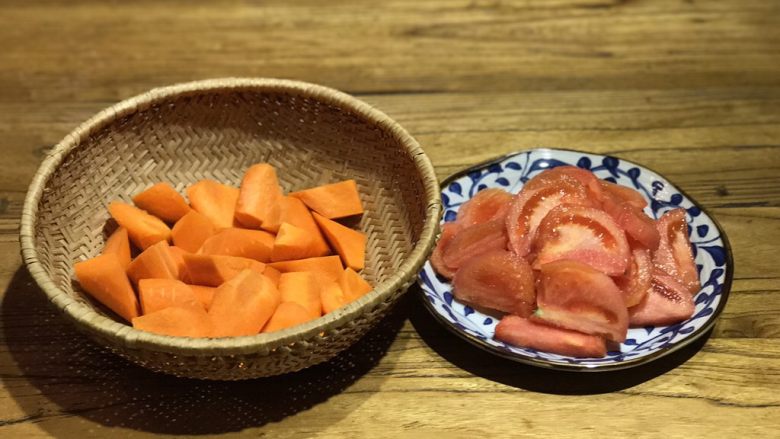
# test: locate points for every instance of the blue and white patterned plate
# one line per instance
(711, 250)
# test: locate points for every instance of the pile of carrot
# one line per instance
(232, 261)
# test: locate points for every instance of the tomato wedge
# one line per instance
(575, 296)
(615, 193)
(553, 175)
(584, 234)
(522, 332)
(499, 280)
(667, 302)
(474, 241)
(640, 227)
(486, 205)
(448, 231)
(636, 282)
(674, 255)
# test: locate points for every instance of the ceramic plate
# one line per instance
(710, 246)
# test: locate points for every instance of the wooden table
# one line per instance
(690, 88)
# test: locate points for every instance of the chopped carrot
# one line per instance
(259, 202)
(326, 268)
(214, 200)
(157, 294)
(353, 285)
(182, 321)
(287, 315)
(350, 244)
(297, 214)
(293, 243)
(205, 295)
(247, 243)
(302, 288)
(119, 244)
(104, 278)
(162, 201)
(273, 274)
(156, 262)
(177, 253)
(214, 270)
(332, 297)
(243, 305)
(191, 231)
(337, 200)
(144, 229)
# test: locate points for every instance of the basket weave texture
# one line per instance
(216, 129)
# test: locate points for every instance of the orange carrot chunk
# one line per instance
(214, 270)
(350, 244)
(287, 315)
(214, 200)
(144, 229)
(326, 268)
(273, 274)
(191, 231)
(353, 285)
(162, 201)
(302, 288)
(181, 321)
(157, 294)
(337, 200)
(246, 243)
(205, 295)
(156, 262)
(104, 278)
(243, 305)
(119, 244)
(332, 297)
(259, 202)
(293, 243)
(177, 254)
(296, 213)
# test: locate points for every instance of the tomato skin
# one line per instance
(498, 280)
(487, 205)
(674, 255)
(615, 193)
(586, 178)
(637, 281)
(522, 332)
(448, 231)
(473, 241)
(667, 302)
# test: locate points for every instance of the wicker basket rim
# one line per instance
(89, 319)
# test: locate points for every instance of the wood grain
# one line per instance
(688, 88)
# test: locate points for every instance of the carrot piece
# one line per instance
(292, 243)
(302, 288)
(243, 305)
(214, 200)
(205, 295)
(177, 254)
(337, 200)
(326, 268)
(143, 229)
(252, 244)
(353, 285)
(288, 314)
(119, 244)
(297, 214)
(332, 297)
(259, 202)
(156, 262)
(214, 270)
(191, 231)
(157, 294)
(162, 201)
(182, 321)
(273, 274)
(350, 244)
(104, 278)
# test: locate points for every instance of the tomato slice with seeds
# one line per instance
(522, 332)
(473, 241)
(499, 280)
(584, 234)
(575, 296)
(486, 205)
(531, 206)
(666, 302)
(674, 255)
(448, 231)
(553, 175)
(636, 282)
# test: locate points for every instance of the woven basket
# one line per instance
(216, 129)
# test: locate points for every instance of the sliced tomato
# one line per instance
(575, 296)
(531, 206)
(448, 231)
(667, 302)
(553, 175)
(486, 205)
(674, 255)
(636, 282)
(584, 234)
(499, 280)
(636, 224)
(616, 193)
(522, 332)
(473, 241)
